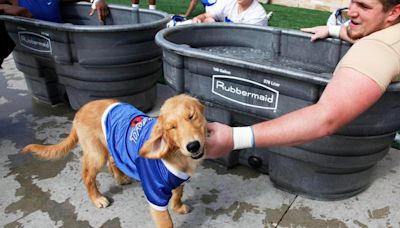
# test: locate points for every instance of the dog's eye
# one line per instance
(171, 126)
(191, 116)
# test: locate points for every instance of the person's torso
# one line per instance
(389, 36)
(217, 6)
(376, 56)
(48, 10)
(254, 14)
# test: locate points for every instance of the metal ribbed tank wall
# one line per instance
(84, 60)
(245, 74)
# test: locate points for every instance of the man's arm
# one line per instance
(97, 5)
(10, 2)
(204, 17)
(322, 32)
(192, 5)
(348, 94)
(14, 10)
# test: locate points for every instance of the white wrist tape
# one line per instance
(243, 137)
(94, 3)
(334, 30)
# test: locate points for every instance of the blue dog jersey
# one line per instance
(126, 129)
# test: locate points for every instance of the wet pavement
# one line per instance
(38, 193)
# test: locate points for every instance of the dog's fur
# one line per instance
(181, 122)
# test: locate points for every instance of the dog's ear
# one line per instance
(200, 106)
(156, 147)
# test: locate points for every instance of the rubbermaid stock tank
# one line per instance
(86, 60)
(245, 74)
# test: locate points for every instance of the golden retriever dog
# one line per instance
(160, 153)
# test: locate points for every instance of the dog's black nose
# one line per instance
(193, 147)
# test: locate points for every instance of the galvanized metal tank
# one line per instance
(83, 60)
(245, 74)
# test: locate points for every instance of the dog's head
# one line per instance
(179, 132)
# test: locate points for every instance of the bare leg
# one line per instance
(192, 5)
(152, 4)
(135, 4)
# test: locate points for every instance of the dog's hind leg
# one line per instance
(176, 201)
(118, 174)
(94, 158)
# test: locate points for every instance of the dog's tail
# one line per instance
(50, 152)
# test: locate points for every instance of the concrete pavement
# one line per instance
(39, 193)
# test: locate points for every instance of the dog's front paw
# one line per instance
(183, 209)
(101, 202)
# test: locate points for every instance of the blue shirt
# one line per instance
(126, 130)
(47, 10)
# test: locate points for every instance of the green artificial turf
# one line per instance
(295, 18)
